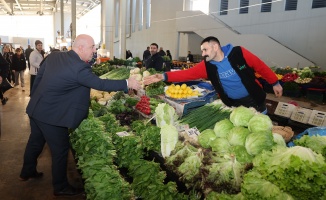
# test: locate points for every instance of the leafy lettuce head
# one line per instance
(241, 115)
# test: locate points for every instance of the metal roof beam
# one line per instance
(10, 11)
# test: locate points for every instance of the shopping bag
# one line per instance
(5, 85)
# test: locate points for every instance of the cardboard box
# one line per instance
(317, 118)
(301, 115)
(284, 109)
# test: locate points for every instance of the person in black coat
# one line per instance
(59, 101)
(146, 54)
(190, 57)
(156, 60)
(128, 54)
(19, 67)
(4, 69)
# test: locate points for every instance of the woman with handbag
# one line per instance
(4, 68)
(18, 67)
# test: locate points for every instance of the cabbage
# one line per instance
(223, 127)
(241, 154)
(237, 135)
(241, 115)
(169, 138)
(257, 142)
(256, 187)
(297, 171)
(315, 142)
(205, 137)
(165, 114)
(279, 140)
(220, 145)
(260, 123)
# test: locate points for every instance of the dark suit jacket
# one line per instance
(61, 91)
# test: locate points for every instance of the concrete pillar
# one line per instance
(122, 27)
(62, 30)
(73, 20)
(107, 25)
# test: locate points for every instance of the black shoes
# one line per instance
(69, 191)
(36, 176)
(4, 100)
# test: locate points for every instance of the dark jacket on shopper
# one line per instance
(18, 63)
(4, 67)
(155, 61)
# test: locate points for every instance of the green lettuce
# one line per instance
(256, 187)
(257, 142)
(298, 171)
(220, 145)
(205, 138)
(260, 123)
(223, 127)
(241, 115)
(238, 135)
(315, 142)
(241, 154)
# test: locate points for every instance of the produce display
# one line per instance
(181, 91)
(147, 105)
(237, 152)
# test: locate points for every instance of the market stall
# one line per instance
(180, 141)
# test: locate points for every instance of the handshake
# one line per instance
(136, 85)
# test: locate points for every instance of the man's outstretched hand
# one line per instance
(153, 79)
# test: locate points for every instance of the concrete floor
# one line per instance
(14, 133)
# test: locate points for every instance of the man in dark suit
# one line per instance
(60, 100)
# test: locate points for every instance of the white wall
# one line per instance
(302, 30)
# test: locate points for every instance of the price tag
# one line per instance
(192, 132)
(181, 127)
(122, 134)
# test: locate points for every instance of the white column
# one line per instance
(122, 27)
(73, 20)
(107, 25)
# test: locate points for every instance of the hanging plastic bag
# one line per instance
(5, 85)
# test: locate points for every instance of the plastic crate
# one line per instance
(315, 94)
(310, 131)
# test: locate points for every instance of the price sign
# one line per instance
(192, 132)
(122, 134)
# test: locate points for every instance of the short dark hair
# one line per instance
(38, 42)
(154, 45)
(209, 39)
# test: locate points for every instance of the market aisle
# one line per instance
(14, 133)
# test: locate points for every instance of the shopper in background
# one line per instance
(146, 54)
(19, 67)
(4, 69)
(8, 54)
(28, 52)
(60, 100)
(162, 52)
(190, 57)
(231, 71)
(168, 53)
(35, 59)
(155, 60)
(128, 54)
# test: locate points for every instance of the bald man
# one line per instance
(60, 100)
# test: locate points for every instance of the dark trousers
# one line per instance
(32, 82)
(58, 141)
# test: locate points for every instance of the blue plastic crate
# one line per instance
(321, 130)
